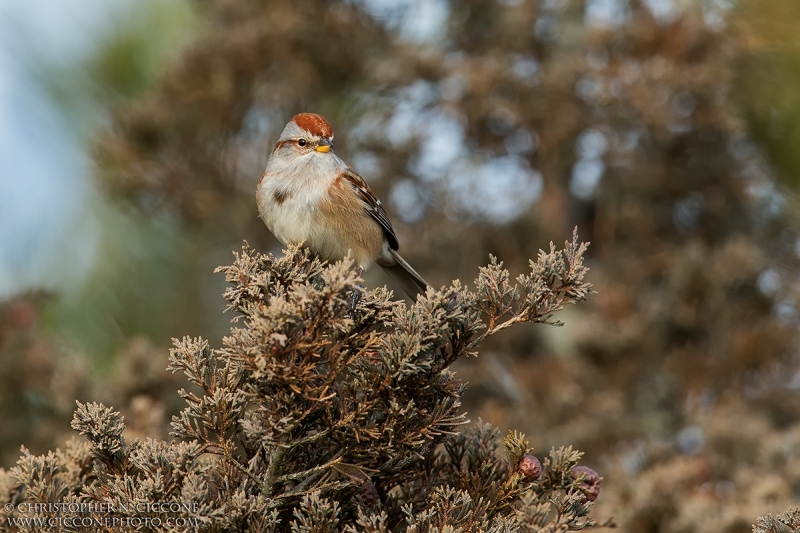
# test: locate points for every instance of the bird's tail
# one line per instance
(408, 279)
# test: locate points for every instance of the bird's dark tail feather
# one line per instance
(405, 276)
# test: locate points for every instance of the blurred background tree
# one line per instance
(665, 129)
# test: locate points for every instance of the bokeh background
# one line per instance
(133, 134)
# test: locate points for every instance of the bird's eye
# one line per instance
(302, 142)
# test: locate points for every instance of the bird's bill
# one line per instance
(324, 145)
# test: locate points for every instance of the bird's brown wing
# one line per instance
(372, 206)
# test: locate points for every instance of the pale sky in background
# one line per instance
(47, 238)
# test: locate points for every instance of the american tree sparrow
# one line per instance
(308, 194)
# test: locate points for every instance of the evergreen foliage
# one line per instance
(318, 415)
(785, 523)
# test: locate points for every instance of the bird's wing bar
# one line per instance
(373, 206)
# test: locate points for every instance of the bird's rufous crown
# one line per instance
(314, 124)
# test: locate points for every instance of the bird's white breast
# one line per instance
(291, 191)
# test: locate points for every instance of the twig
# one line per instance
(297, 475)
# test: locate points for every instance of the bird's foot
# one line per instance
(355, 297)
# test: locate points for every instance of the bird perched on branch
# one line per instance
(308, 194)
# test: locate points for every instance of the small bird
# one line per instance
(308, 194)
